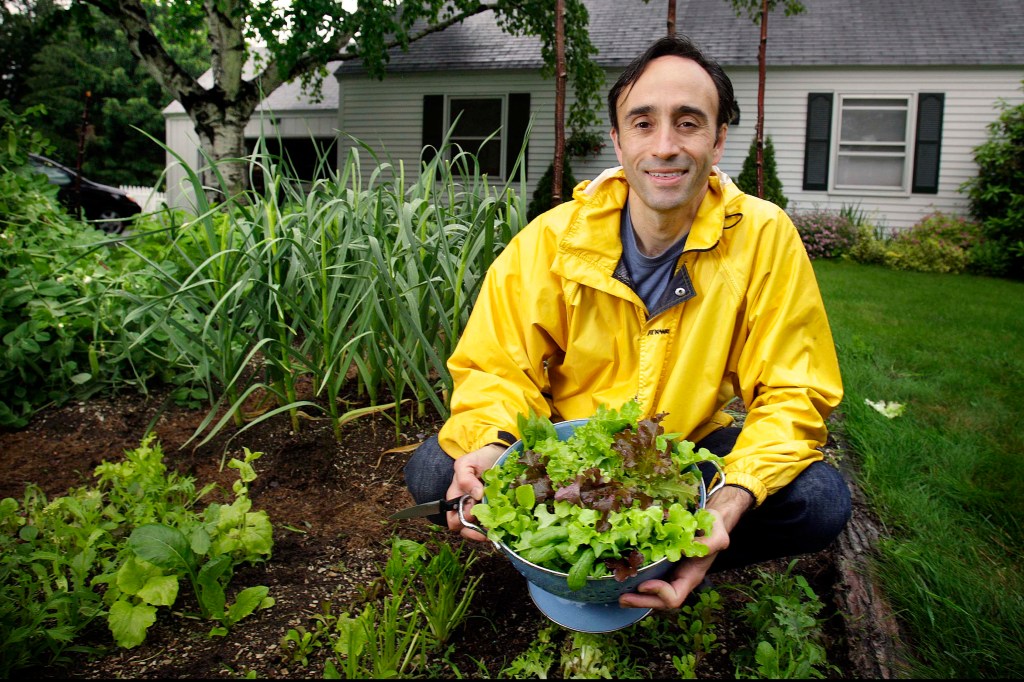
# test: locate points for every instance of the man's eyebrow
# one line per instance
(640, 111)
(681, 110)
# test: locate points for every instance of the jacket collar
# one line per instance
(594, 234)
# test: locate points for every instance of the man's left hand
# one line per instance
(727, 505)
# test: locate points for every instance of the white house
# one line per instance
(871, 103)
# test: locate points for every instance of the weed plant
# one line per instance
(60, 323)
(945, 475)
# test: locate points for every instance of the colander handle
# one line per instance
(721, 481)
(462, 517)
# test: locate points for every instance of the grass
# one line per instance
(945, 477)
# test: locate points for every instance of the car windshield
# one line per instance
(56, 175)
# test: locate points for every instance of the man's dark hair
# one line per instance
(677, 46)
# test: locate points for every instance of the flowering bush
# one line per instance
(937, 243)
(826, 234)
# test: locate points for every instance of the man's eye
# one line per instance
(643, 124)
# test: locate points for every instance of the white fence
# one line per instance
(147, 197)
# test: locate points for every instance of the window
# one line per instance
(500, 120)
(882, 143)
(306, 159)
(474, 121)
(872, 148)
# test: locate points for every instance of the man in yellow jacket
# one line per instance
(660, 281)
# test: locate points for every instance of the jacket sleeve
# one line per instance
(787, 369)
(498, 365)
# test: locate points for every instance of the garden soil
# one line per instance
(329, 502)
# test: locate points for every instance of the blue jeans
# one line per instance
(801, 518)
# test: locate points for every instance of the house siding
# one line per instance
(387, 115)
(970, 98)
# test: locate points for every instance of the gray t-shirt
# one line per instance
(648, 277)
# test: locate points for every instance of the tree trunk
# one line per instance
(762, 58)
(560, 79)
(221, 132)
(671, 18)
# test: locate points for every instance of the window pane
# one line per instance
(874, 103)
(873, 126)
(480, 117)
(489, 156)
(870, 171)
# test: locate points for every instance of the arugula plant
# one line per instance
(783, 613)
(617, 494)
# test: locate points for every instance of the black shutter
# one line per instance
(433, 126)
(818, 140)
(928, 142)
(518, 121)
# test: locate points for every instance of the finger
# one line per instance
(652, 594)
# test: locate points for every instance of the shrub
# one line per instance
(937, 243)
(926, 254)
(825, 234)
(869, 246)
(747, 180)
(997, 192)
(61, 323)
(542, 194)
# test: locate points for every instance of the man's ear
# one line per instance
(615, 145)
(720, 143)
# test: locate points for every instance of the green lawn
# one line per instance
(946, 476)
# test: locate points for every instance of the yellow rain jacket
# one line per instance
(555, 331)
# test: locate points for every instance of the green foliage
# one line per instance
(591, 532)
(747, 180)
(687, 636)
(938, 242)
(122, 97)
(63, 332)
(542, 192)
(997, 193)
(783, 614)
(25, 26)
(825, 234)
(135, 533)
(350, 276)
(298, 39)
(752, 8)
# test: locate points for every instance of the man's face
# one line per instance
(667, 140)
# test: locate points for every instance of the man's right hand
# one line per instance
(468, 470)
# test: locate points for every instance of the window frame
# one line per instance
(908, 145)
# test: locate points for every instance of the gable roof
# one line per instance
(860, 33)
(828, 33)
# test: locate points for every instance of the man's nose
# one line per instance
(666, 142)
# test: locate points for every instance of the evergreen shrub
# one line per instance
(747, 180)
(542, 194)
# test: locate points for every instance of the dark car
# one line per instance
(110, 208)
